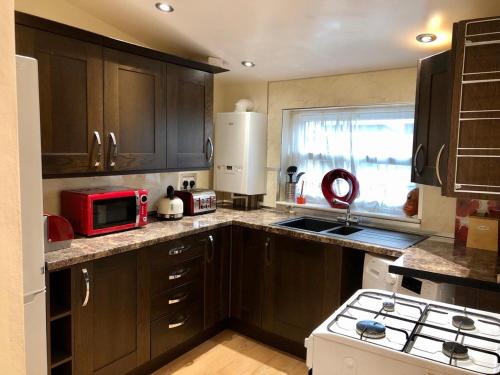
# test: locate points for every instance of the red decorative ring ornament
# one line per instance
(327, 187)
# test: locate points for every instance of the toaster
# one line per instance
(197, 201)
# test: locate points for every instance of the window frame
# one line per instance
(285, 138)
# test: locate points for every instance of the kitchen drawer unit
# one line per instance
(165, 278)
(176, 299)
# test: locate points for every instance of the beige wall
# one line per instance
(11, 290)
(380, 87)
(64, 12)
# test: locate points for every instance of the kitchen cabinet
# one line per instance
(302, 280)
(190, 118)
(282, 287)
(71, 100)
(474, 168)
(134, 112)
(248, 252)
(106, 315)
(104, 106)
(216, 282)
(432, 120)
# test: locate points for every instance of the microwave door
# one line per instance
(115, 212)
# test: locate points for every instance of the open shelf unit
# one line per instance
(60, 338)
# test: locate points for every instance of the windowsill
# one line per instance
(319, 207)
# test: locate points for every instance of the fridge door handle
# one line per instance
(86, 277)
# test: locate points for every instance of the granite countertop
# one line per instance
(86, 249)
(435, 258)
(438, 259)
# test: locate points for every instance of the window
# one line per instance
(373, 143)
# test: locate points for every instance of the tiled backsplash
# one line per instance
(156, 183)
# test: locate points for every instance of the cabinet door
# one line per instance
(70, 82)
(432, 120)
(247, 273)
(106, 326)
(189, 118)
(134, 116)
(216, 284)
(475, 134)
(302, 286)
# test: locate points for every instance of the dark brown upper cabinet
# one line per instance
(189, 118)
(474, 168)
(103, 103)
(134, 112)
(432, 120)
(71, 104)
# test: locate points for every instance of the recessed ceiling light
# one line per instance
(248, 64)
(164, 7)
(426, 38)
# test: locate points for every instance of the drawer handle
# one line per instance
(178, 274)
(179, 299)
(178, 250)
(178, 324)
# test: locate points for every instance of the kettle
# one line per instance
(170, 207)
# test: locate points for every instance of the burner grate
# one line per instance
(455, 349)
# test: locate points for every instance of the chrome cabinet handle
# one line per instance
(173, 301)
(209, 156)
(178, 250)
(114, 153)
(178, 324)
(438, 163)
(210, 258)
(415, 157)
(97, 162)
(86, 277)
(178, 274)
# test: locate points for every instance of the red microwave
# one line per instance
(104, 210)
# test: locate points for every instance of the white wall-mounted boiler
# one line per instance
(240, 153)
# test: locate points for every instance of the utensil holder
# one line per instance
(290, 191)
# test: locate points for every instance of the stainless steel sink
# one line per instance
(366, 234)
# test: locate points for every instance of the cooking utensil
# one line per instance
(291, 170)
(299, 176)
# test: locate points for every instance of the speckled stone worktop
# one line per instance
(435, 258)
(438, 259)
(86, 249)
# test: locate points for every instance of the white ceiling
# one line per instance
(290, 38)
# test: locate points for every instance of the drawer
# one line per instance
(176, 299)
(174, 329)
(164, 278)
(177, 251)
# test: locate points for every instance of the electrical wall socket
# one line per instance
(189, 177)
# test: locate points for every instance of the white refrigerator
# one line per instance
(31, 215)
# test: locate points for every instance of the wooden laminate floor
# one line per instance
(230, 353)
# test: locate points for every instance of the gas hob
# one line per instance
(418, 335)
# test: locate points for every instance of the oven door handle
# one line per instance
(137, 208)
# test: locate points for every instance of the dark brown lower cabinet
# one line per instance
(106, 315)
(247, 274)
(133, 312)
(282, 287)
(302, 280)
